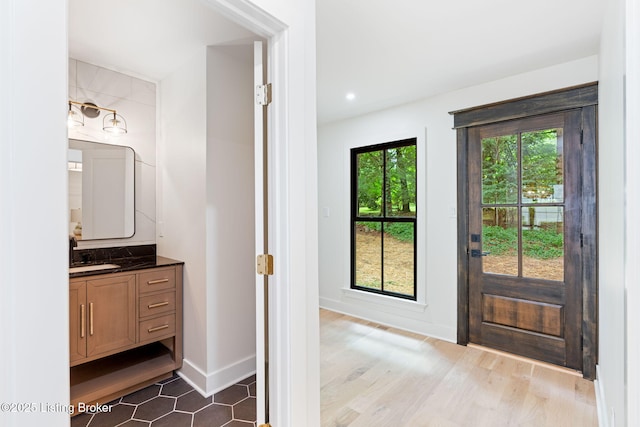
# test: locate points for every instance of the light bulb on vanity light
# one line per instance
(74, 118)
(114, 124)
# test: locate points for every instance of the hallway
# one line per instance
(373, 375)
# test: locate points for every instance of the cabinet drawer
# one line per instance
(159, 327)
(156, 280)
(150, 305)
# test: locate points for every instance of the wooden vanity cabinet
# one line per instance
(125, 332)
(77, 321)
(102, 316)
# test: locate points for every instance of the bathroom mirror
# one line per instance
(101, 190)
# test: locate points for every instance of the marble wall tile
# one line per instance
(135, 100)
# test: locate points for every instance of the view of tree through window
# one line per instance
(384, 218)
(523, 204)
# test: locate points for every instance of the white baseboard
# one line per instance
(193, 376)
(208, 384)
(407, 320)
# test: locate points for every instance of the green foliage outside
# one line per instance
(402, 231)
(395, 186)
(540, 157)
(370, 182)
(537, 243)
(542, 244)
(541, 154)
(499, 241)
(499, 169)
(541, 169)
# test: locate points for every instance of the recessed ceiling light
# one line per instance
(351, 96)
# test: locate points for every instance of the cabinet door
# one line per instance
(77, 321)
(111, 305)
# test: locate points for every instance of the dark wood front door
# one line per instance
(527, 234)
(525, 258)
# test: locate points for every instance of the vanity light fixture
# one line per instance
(74, 118)
(113, 123)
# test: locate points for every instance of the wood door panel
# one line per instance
(524, 343)
(112, 314)
(77, 321)
(547, 319)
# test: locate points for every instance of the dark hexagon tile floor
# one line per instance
(174, 403)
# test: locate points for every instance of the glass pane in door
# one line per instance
(542, 167)
(368, 255)
(500, 240)
(499, 169)
(543, 242)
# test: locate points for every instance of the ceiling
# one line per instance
(384, 52)
(145, 38)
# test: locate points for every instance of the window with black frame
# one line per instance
(383, 218)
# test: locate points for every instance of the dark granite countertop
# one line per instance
(127, 258)
(125, 264)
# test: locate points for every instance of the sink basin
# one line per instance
(95, 267)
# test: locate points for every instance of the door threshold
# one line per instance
(527, 360)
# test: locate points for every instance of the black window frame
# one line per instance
(355, 218)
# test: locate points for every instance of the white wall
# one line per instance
(230, 219)
(135, 100)
(611, 360)
(435, 311)
(206, 209)
(182, 150)
(632, 189)
(34, 276)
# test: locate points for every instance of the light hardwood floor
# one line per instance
(376, 376)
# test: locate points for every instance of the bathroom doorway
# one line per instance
(206, 161)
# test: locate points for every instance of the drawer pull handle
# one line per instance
(155, 282)
(158, 304)
(158, 328)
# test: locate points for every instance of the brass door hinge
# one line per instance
(265, 425)
(263, 94)
(265, 264)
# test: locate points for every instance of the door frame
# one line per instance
(261, 23)
(584, 97)
(294, 375)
